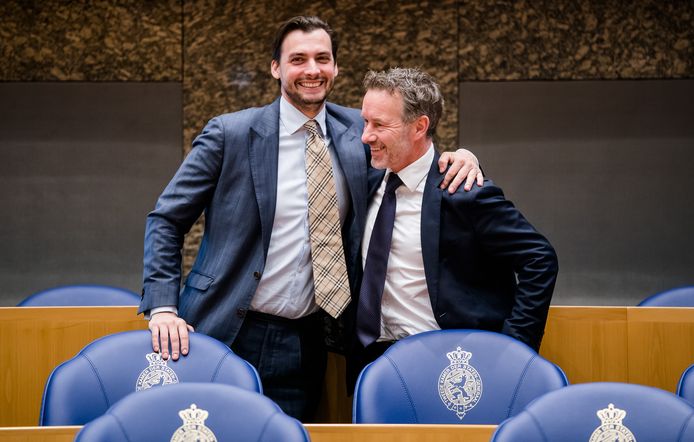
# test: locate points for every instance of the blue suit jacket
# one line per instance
(231, 176)
(485, 265)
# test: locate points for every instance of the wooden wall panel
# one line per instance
(34, 340)
(588, 343)
(661, 345)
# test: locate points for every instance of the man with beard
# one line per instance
(282, 226)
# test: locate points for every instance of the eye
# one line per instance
(296, 60)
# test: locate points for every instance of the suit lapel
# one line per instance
(350, 153)
(263, 150)
(431, 225)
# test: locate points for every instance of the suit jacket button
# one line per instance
(256, 275)
(241, 312)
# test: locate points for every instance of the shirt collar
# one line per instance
(293, 119)
(413, 174)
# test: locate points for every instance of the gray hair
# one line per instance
(421, 95)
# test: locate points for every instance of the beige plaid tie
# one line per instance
(329, 269)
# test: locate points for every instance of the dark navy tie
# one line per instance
(369, 307)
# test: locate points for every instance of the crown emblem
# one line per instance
(155, 359)
(611, 427)
(193, 427)
(193, 415)
(459, 356)
(611, 415)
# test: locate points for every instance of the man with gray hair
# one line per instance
(434, 260)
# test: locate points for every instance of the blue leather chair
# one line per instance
(194, 411)
(453, 377)
(81, 295)
(600, 412)
(685, 387)
(114, 366)
(677, 297)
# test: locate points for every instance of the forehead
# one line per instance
(381, 104)
(300, 42)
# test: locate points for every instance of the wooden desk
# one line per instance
(641, 345)
(661, 345)
(399, 433)
(588, 343)
(318, 433)
(38, 434)
(34, 340)
(645, 345)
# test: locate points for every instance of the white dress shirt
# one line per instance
(405, 307)
(286, 285)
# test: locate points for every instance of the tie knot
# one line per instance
(312, 127)
(393, 183)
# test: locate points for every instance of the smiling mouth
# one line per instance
(310, 84)
(377, 149)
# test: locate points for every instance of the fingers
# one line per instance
(155, 336)
(456, 167)
(169, 331)
(463, 166)
(444, 159)
(473, 176)
(183, 337)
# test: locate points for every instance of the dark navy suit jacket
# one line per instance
(486, 266)
(231, 176)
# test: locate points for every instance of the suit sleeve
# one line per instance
(505, 234)
(179, 206)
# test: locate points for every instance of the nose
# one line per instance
(312, 67)
(367, 137)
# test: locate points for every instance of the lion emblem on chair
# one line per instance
(460, 385)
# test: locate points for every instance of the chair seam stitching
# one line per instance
(98, 378)
(514, 397)
(405, 389)
(684, 426)
(120, 425)
(219, 367)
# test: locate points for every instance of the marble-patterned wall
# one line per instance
(220, 50)
(99, 40)
(228, 50)
(575, 40)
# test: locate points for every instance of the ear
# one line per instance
(421, 126)
(336, 70)
(275, 69)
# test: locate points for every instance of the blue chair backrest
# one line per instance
(453, 377)
(114, 366)
(685, 388)
(81, 295)
(602, 411)
(194, 411)
(677, 297)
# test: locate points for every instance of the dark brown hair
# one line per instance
(306, 24)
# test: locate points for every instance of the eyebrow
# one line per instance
(303, 53)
